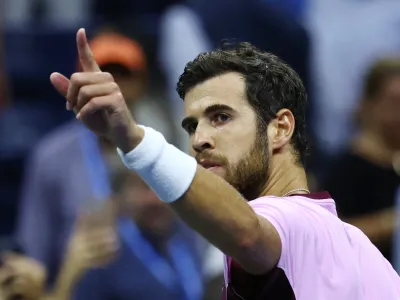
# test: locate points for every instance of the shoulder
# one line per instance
(303, 223)
(297, 205)
(297, 218)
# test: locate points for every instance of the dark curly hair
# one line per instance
(270, 84)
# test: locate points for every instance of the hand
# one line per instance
(94, 242)
(21, 277)
(92, 248)
(97, 100)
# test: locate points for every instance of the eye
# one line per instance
(220, 119)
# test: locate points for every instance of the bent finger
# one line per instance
(95, 105)
(88, 92)
(81, 79)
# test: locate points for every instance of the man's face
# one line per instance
(223, 133)
(385, 111)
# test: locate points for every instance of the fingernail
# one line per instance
(78, 116)
(68, 106)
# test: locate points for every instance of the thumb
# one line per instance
(60, 83)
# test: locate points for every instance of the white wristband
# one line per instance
(167, 170)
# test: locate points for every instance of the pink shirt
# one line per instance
(322, 257)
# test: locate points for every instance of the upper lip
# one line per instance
(208, 164)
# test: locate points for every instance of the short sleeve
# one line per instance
(297, 226)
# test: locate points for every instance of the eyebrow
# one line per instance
(209, 110)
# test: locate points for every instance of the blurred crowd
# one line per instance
(75, 225)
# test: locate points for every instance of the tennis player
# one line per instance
(244, 189)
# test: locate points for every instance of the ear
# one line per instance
(281, 129)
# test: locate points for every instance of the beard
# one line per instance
(250, 174)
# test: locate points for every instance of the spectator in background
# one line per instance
(154, 257)
(363, 180)
(346, 38)
(71, 165)
(159, 258)
(92, 244)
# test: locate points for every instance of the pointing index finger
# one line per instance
(85, 53)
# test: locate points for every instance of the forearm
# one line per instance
(66, 280)
(219, 213)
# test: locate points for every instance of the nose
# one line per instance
(202, 141)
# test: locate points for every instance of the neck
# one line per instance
(370, 146)
(285, 176)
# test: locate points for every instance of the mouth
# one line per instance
(209, 165)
